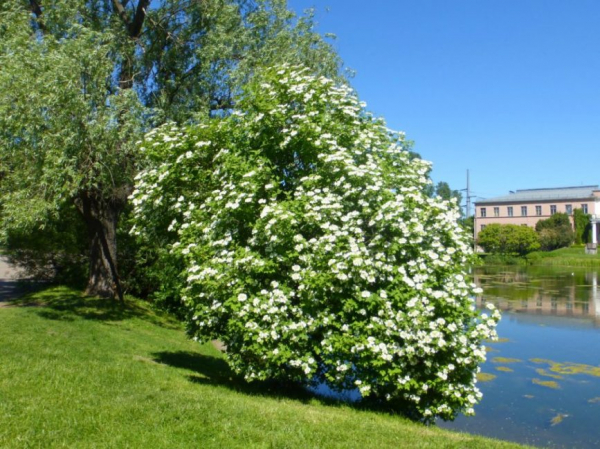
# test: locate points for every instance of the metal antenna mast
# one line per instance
(468, 196)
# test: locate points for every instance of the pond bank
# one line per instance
(83, 372)
(566, 257)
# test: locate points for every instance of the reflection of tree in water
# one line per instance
(541, 290)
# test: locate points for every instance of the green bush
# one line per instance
(508, 239)
(555, 232)
(312, 251)
(583, 226)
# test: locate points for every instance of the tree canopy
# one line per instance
(508, 239)
(81, 81)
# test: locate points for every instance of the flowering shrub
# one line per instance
(312, 251)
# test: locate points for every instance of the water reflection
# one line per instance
(541, 291)
(549, 395)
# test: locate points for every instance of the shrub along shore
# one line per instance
(81, 372)
(574, 256)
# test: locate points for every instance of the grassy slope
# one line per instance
(569, 257)
(77, 373)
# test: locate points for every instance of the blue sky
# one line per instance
(509, 89)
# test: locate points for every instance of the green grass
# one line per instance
(574, 256)
(82, 373)
(568, 257)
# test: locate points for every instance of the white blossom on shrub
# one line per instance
(312, 250)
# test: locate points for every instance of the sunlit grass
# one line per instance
(569, 257)
(79, 372)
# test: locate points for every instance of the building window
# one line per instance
(584, 208)
(569, 209)
(496, 211)
(509, 209)
(585, 308)
(483, 227)
(523, 211)
(552, 209)
(538, 210)
(483, 211)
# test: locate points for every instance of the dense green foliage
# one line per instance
(311, 249)
(83, 373)
(80, 82)
(555, 232)
(63, 129)
(583, 226)
(508, 239)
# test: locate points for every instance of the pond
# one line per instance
(541, 383)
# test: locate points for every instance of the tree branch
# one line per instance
(120, 9)
(135, 28)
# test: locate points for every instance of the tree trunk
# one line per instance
(101, 219)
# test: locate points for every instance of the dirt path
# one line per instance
(10, 286)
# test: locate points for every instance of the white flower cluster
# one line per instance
(312, 249)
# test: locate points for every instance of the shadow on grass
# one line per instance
(10, 289)
(65, 304)
(209, 370)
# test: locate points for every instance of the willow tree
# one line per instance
(81, 81)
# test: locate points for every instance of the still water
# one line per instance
(541, 382)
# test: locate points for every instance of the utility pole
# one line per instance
(468, 196)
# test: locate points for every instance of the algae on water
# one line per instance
(546, 383)
(543, 372)
(506, 369)
(501, 340)
(569, 368)
(485, 377)
(558, 419)
(505, 360)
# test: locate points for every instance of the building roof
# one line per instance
(549, 194)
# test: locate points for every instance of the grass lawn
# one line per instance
(82, 373)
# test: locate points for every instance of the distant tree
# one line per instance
(468, 224)
(557, 220)
(508, 239)
(583, 226)
(555, 232)
(443, 191)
